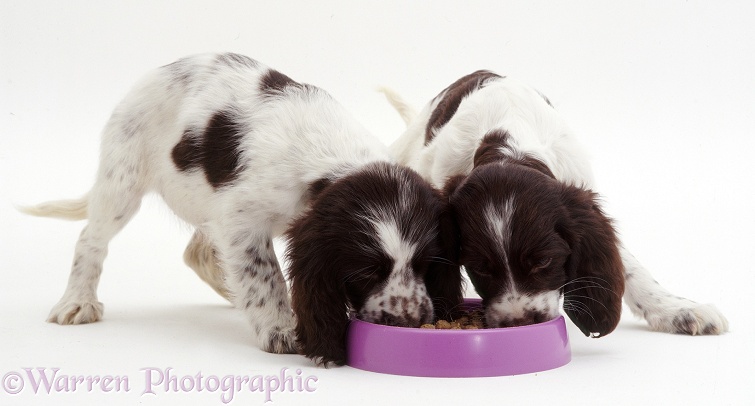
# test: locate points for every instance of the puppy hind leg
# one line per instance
(114, 199)
(664, 311)
(201, 256)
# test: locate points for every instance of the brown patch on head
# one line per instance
(215, 151)
(451, 97)
(520, 226)
(337, 260)
(507, 217)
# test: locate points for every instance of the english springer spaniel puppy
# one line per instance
(244, 154)
(532, 230)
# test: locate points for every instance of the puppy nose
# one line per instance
(515, 322)
(397, 321)
(388, 319)
(529, 318)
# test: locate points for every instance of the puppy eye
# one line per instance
(544, 263)
(364, 275)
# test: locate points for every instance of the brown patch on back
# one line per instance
(215, 151)
(315, 188)
(489, 150)
(451, 98)
(534, 163)
(492, 149)
(274, 82)
(185, 154)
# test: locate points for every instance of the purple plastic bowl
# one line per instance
(458, 353)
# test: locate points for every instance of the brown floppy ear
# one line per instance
(318, 297)
(595, 274)
(443, 279)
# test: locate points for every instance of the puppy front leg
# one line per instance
(663, 311)
(259, 289)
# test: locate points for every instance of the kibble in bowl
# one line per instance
(458, 348)
(469, 320)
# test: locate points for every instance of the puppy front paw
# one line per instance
(692, 319)
(703, 319)
(76, 312)
(336, 358)
(278, 340)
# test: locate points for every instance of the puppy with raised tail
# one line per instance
(532, 230)
(244, 153)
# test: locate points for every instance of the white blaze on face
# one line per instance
(394, 245)
(499, 221)
(403, 300)
(513, 307)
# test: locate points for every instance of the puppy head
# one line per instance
(527, 239)
(367, 244)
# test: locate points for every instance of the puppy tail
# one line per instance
(406, 111)
(75, 209)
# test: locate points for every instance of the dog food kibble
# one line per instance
(442, 324)
(469, 321)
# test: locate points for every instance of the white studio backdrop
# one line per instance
(661, 93)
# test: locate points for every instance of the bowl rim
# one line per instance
(469, 303)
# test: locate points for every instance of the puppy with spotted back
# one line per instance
(532, 229)
(245, 154)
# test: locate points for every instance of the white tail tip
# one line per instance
(63, 209)
(406, 111)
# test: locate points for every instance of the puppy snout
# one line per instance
(398, 310)
(394, 320)
(526, 320)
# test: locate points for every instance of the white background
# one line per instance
(661, 93)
